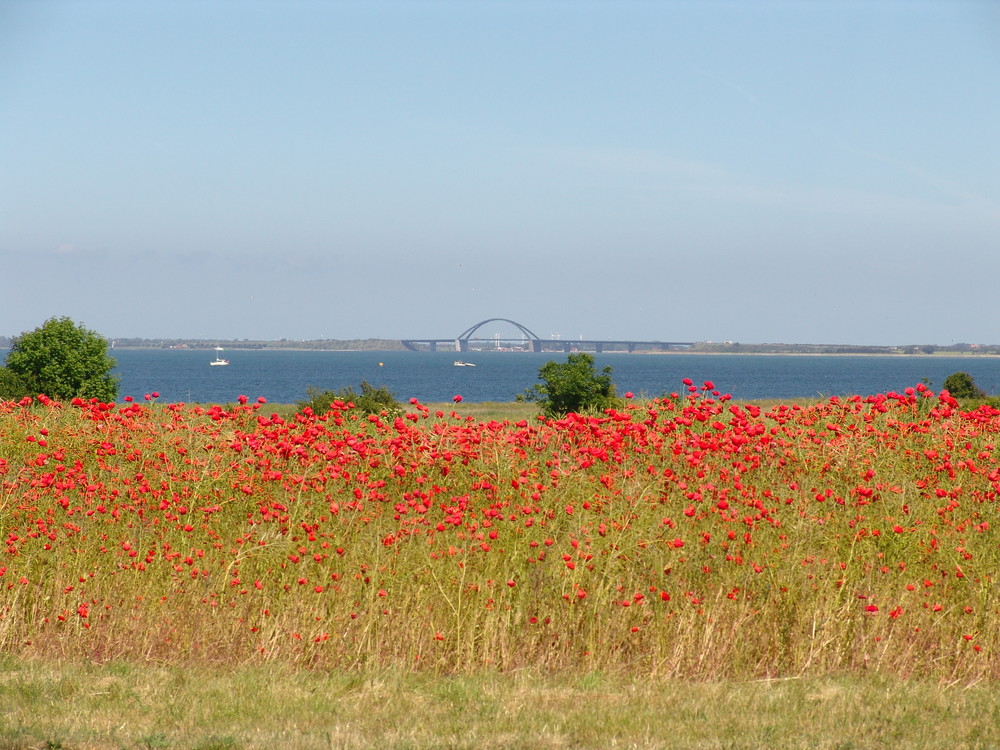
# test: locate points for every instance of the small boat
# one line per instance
(218, 361)
(460, 363)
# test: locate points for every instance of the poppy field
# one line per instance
(687, 536)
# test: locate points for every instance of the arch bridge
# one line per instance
(529, 341)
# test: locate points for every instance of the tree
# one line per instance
(12, 388)
(63, 360)
(572, 386)
(962, 385)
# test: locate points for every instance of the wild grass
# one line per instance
(125, 705)
(485, 411)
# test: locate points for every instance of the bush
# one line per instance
(962, 385)
(573, 386)
(371, 400)
(63, 360)
(12, 388)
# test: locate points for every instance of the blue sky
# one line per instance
(814, 172)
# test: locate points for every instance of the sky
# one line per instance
(794, 172)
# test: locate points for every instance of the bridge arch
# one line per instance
(464, 336)
(467, 333)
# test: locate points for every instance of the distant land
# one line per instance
(701, 347)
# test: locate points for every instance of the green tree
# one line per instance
(12, 388)
(962, 385)
(63, 360)
(572, 386)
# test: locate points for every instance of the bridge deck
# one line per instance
(544, 345)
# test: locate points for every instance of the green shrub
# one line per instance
(962, 385)
(12, 388)
(572, 386)
(371, 400)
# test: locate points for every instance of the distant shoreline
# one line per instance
(642, 352)
(776, 350)
(939, 353)
(700, 348)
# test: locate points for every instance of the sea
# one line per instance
(281, 376)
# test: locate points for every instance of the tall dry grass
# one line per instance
(679, 538)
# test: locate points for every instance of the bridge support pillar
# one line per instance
(598, 347)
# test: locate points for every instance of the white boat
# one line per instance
(460, 363)
(218, 361)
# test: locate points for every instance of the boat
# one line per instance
(460, 363)
(218, 361)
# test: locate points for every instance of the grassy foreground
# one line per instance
(85, 706)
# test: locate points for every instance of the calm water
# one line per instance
(283, 376)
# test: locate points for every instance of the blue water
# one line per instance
(284, 376)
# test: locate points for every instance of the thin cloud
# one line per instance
(941, 183)
(659, 172)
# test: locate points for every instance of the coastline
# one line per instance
(947, 353)
(927, 351)
(940, 353)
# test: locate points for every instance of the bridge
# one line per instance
(468, 341)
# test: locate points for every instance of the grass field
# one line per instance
(120, 705)
(683, 572)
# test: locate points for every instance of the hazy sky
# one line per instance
(813, 172)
